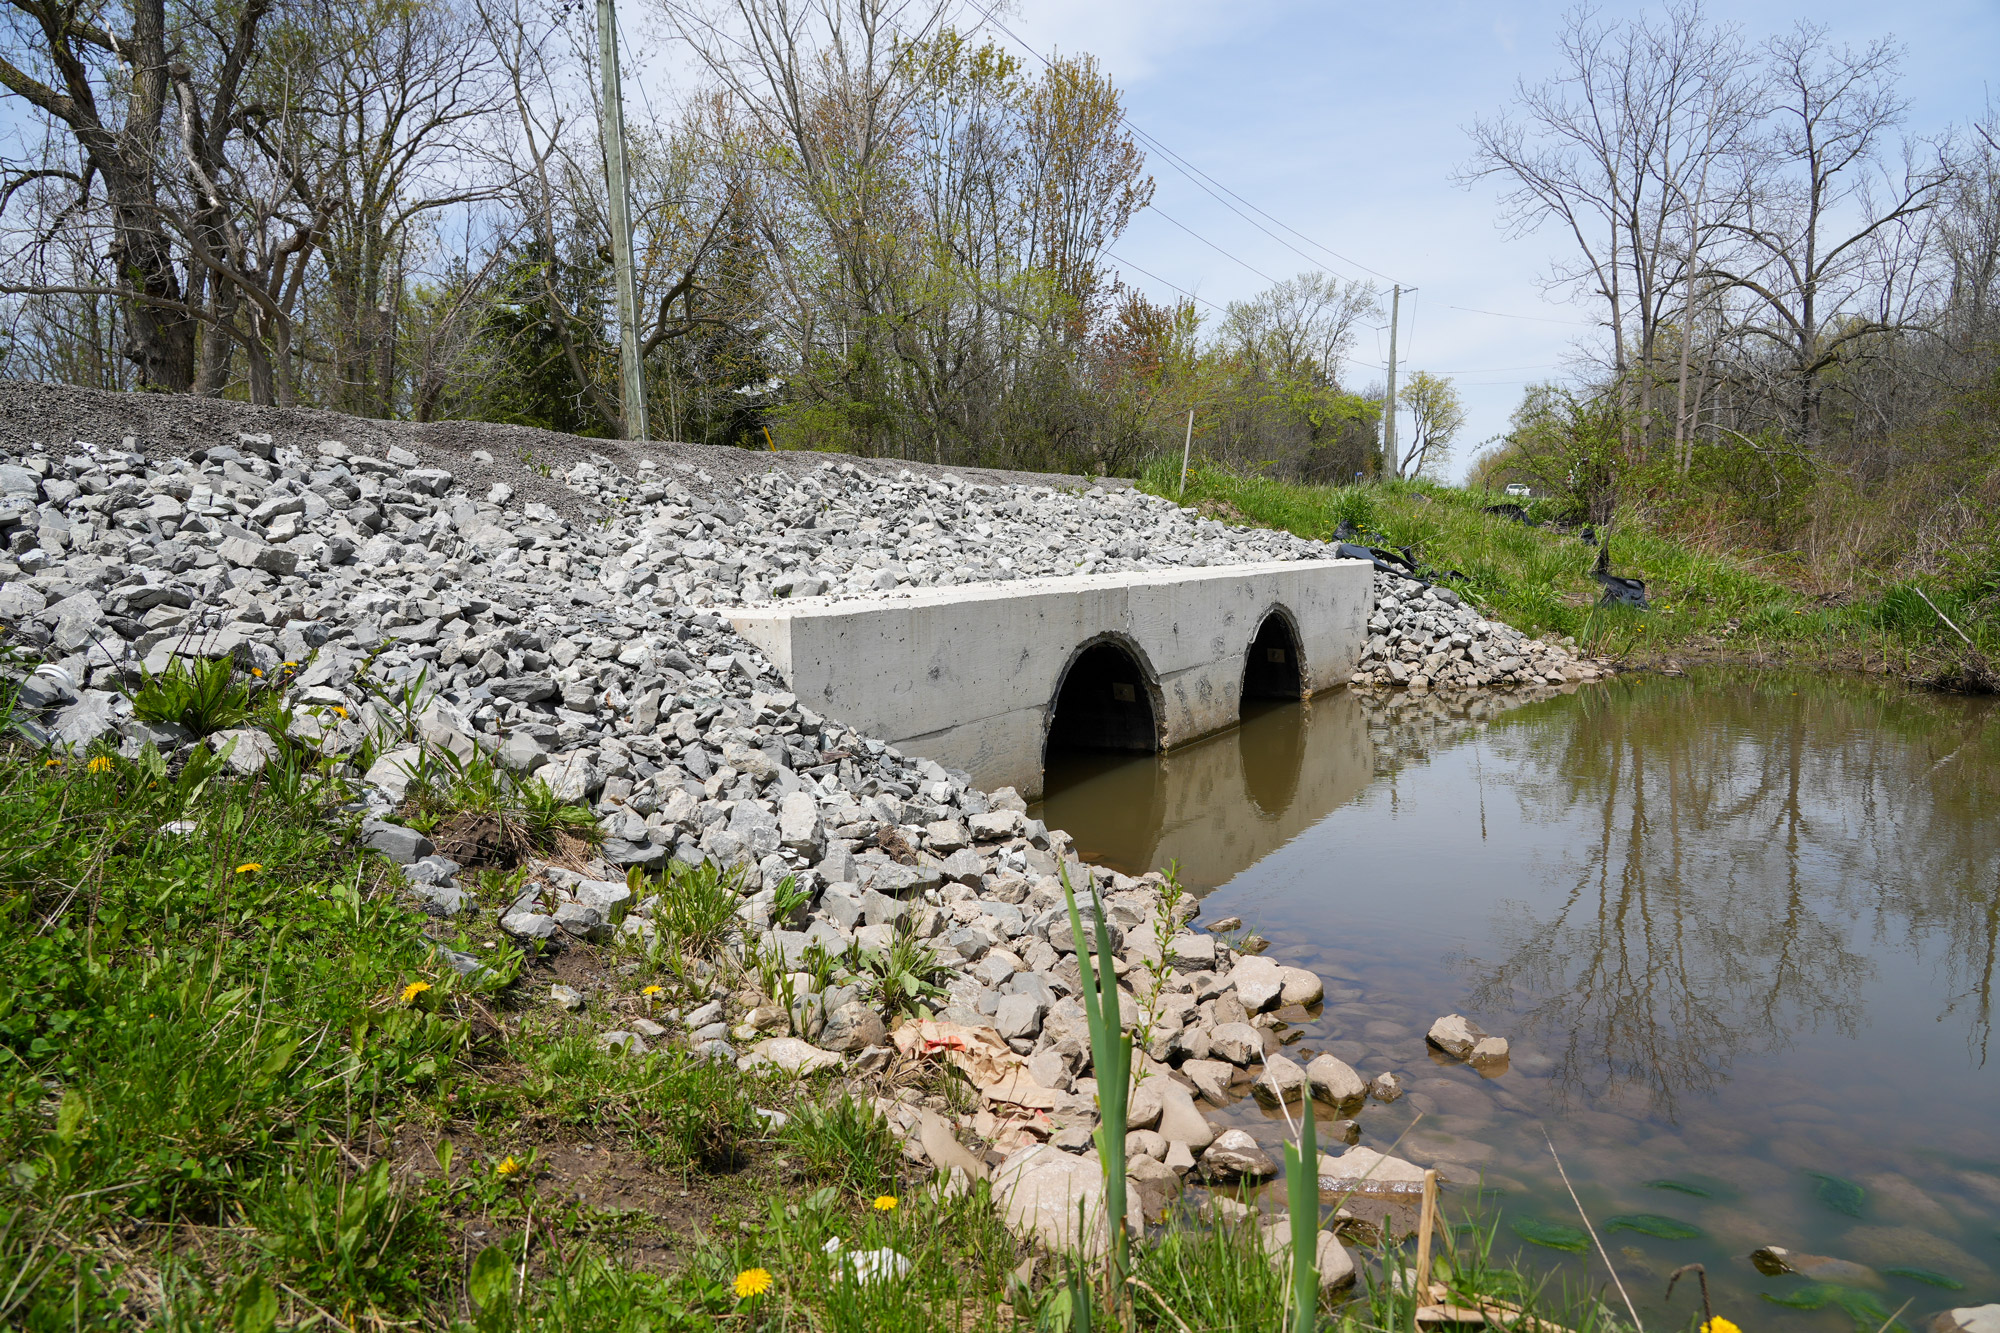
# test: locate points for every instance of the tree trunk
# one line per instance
(159, 339)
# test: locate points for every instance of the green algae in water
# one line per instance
(1553, 1235)
(1652, 1224)
(1862, 1307)
(1843, 1196)
(1681, 1187)
(1926, 1275)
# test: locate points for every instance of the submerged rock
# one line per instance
(1455, 1035)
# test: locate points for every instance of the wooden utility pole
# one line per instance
(1389, 466)
(631, 376)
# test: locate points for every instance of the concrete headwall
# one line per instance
(968, 675)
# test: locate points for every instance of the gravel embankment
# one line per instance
(564, 625)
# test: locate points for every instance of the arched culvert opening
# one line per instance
(1104, 702)
(1271, 669)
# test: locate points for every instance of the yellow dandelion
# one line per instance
(654, 990)
(339, 711)
(752, 1282)
(291, 664)
(1719, 1325)
(101, 764)
(249, 868)
(257, 672)
(53, 763)
(506, 1166)
(414, 989)
(885, 1203)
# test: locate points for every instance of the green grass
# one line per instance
(242, 1087)
(1538, 579)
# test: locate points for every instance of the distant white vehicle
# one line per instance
(1520, 488)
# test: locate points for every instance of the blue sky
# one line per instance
(1347, 121)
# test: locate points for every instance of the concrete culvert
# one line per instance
(1104, 702)
(1271, 669)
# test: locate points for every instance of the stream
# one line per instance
(1739, 927)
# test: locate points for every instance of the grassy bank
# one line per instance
(1706, 604)
(243, 1087)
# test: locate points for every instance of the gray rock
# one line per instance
(800, 828)
(528, 925)
(1238, 1043)
(1333, 1080)
(1331, 1260)
(248, 749)
(524, 689)
(1282, 1081)
(1180, 1121)
(580, 922)
(1019, 1015)
(1235, 1156)
(85, 720)
(1258, 981)
(1300, 986)
(624, 1043)
(255, 555)
(790, 1055)
(1455, 1035)
(611, 899)
(400, 844)
(853, 1027)
(1145, 1105)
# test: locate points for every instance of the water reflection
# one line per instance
(1741, 928)
(1220, 804)
(1733, 858)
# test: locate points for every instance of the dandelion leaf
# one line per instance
(1551, 1235)
(1652, 1224)
(1843, 1196)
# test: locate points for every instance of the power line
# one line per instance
(1157, 278)
(1212, 245)
(1539, 319)
(1203, 181)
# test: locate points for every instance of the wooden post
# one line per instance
(1390, 466)
(1426, 1223)
(631, 376)
(1186, 445)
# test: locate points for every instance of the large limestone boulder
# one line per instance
(1334, 1263)
(1057, 1199)
(1369, 1172)
(1259, 982)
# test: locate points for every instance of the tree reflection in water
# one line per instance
(1746, 828)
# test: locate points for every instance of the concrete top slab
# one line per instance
(998, 592)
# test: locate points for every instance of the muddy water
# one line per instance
(1740, 928)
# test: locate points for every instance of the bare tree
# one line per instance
(1825, 211)
(1616, 149)
(114, 93)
